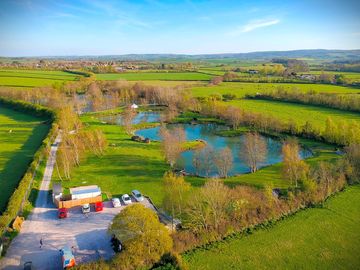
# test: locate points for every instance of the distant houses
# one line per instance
(253, 71)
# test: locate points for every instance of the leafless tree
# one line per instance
(127, 119)
(172, 143)
(253, 151)
(224, 161)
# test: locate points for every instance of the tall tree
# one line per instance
(128, 118)
(175, 191)
(253, 151)
(172, 143)
(294, 168)
(144, 238)
(224, 161)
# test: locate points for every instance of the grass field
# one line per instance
(162, 76)
(297, 112)
(317, 238)
(352, 76)
(241, 89)
(17, 148)
(33, 78)
(131, 165)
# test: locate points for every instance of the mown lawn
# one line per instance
(297, 112)
(241, 89)
(127, 165)
(33, 78)
(317, 238)
(17, 148)
(162, 76)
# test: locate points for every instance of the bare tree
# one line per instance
(224, 161)
(203, 160)
(128, 118)
(254, 150)
(172, 143)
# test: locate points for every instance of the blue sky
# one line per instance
(79, 27)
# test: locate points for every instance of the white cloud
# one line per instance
(252, 25)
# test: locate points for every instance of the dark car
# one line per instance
(28, 266)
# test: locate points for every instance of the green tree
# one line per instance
(144, 238)
(175, 191)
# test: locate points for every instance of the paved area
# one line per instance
(87, 234)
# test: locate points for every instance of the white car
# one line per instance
(126, 199)
(116, 202)
(137, 195)
(85, 208)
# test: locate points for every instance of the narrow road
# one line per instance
(88, 235)
(14, 258)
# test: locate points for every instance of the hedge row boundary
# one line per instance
(22, 191)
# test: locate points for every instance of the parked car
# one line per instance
(99, 206)
(62, 213)
(28, 266)
(116, 202)
(137, 195)
(116, 244)
(67, 257)
(85, 208)
(126, 199)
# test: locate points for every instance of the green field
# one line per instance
(352, 76)
(297, 112)
(33, 78)
(128, 165)
(241, 89)
(17, 148)
(317, 238)
(162, 76)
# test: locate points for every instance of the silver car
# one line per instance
(137, 195)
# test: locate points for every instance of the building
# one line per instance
(253, 71)
(134, 106)
(85, 192)
(57, 192)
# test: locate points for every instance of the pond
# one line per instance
(207, 132)
(141, 117)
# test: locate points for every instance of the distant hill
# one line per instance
(319, 54)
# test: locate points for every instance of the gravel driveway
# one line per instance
(87, 234)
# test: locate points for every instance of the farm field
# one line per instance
(33, 78)
(352, 76)
(162, 76)
(297, 112)
(241, 89)
(17, 148)
(316, 238)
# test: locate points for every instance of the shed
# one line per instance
(85, 192)
(57, 192)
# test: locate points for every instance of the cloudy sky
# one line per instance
(99, 27)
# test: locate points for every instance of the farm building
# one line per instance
(85, 192)
(252, 71)
(57, 191)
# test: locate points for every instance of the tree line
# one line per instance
(342, 102)
(345, 132)
(215, 210)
